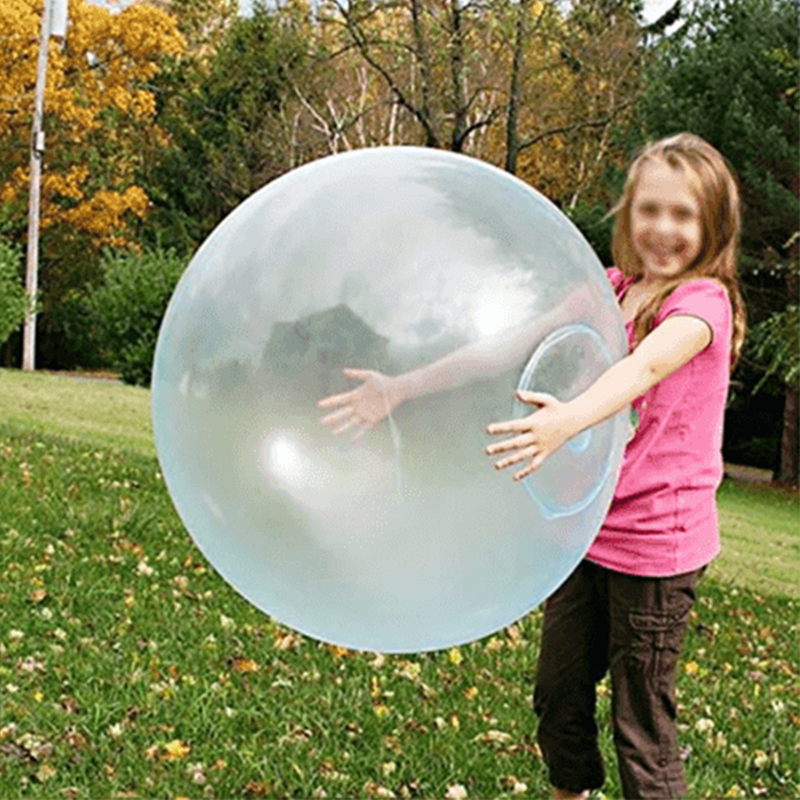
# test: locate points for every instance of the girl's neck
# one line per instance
(652, 283)
(636, 295)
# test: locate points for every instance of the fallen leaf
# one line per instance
(296, 734)
(287, 640)
(175, 750)
(196, 773)
(76, 740)
(374, 789)
(245, 665)
(409, 669)
(39, 749)
(328, 771)
(45, 772)
(256, 789)
(378, 661)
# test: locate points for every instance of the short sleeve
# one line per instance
(615, 278)
(705, 299)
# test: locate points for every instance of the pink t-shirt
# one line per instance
(663, 518)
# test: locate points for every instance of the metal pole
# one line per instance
(37, 151)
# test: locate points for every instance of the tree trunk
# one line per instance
(460, 104)
(789, 472)
(515, 88)
(425, 112)
(8, 354)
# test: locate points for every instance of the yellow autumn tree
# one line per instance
(99, 113)
(203, 23)
(580, 94)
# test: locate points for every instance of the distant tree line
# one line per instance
(163, 118)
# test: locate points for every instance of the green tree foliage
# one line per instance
(775, 341)
(224, 114)
(731, 75)
(129, 305)
(100, 129)
(13, 299)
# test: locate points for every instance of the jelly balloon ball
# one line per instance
(323, 380)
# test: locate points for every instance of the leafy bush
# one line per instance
(598, 228)
(775, 340)
(13, 298)
(129, 305)
(66, 336)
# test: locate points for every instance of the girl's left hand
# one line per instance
(537, 436)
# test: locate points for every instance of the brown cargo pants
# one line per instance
(600, 621)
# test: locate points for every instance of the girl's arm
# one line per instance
(378, 395)
(671, 345)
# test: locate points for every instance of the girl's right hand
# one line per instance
(363, 407)
(535, 437)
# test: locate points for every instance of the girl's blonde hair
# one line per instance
(718, 196)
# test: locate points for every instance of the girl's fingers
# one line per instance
(509, 426)
(335, 400)
(515, 458)
(508, 444)
(534, 398)
(523, 447)
(359, 374)
(332, 419)
(530, 468)
(339, 399)
(349, 423)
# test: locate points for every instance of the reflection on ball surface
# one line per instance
(407, 262)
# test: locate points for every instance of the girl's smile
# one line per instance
(666, 227)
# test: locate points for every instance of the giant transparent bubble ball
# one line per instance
(439, 274)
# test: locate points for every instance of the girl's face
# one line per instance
(666, 227)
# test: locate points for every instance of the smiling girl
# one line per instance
(625, 608)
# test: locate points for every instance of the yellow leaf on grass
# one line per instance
(411, 670)
(176, 749)
(245, 665)
(493, 737)
(45, 772)
(286, 640)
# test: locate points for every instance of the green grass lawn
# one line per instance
(760, 527)
(128, 668)
(102, 413)
(760, 524)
